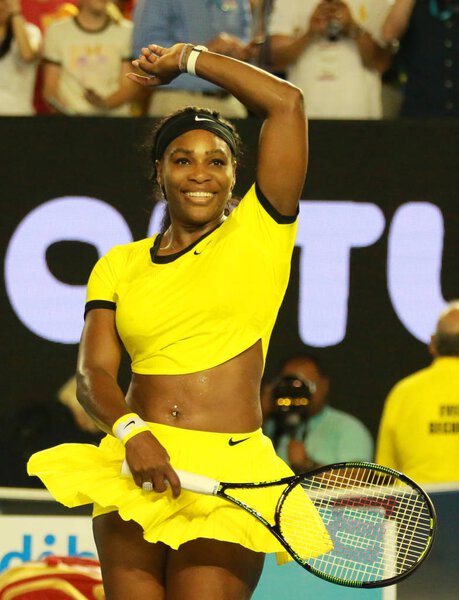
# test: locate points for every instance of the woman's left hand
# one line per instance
(161, 65)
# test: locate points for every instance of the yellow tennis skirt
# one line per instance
(78, 474)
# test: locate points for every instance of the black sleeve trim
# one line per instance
(273, 212)
(99, 304)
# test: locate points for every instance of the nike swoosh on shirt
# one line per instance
(127, 424)
(235, 442)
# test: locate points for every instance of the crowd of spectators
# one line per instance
(348, 56)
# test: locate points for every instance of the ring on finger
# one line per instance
(147, 486)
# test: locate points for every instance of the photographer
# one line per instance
(332, 50)
(305, 430)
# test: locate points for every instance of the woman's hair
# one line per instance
(447, 344)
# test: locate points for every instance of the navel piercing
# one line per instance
(175, 411)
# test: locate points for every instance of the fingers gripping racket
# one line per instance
(379, 524)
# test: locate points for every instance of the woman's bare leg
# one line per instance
(131, 567)
(212, 570)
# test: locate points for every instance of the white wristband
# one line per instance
(127, 426)
(192, 58)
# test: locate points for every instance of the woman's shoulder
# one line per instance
(122, 259)
(131, 249)
(256, 205)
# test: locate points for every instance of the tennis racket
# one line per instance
(379, 524)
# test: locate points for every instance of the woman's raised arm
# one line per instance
(283, 147)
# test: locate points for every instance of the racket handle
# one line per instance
(189, 481)
(125, 470)
(197, 483)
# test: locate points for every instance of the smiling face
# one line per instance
(197, 173)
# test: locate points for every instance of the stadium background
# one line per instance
(387, 164)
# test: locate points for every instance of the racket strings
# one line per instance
(262, 500)
(379, 525)
(302, 527)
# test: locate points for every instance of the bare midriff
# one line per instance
(223, 399)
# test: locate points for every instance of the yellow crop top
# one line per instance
(198, 308)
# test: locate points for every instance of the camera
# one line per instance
(291, 396)
(334, 30)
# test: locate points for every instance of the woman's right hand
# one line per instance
(148, 461)
(161, 65)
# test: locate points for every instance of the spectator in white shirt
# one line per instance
(333, 52)
(86, 59)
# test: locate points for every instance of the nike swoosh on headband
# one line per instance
(234, 442)
(196, 118)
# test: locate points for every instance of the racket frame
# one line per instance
(293, 480)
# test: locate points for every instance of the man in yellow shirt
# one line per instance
(419, 429)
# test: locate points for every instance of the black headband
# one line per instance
(184, 122)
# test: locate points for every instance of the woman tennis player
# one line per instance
(194, 307)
